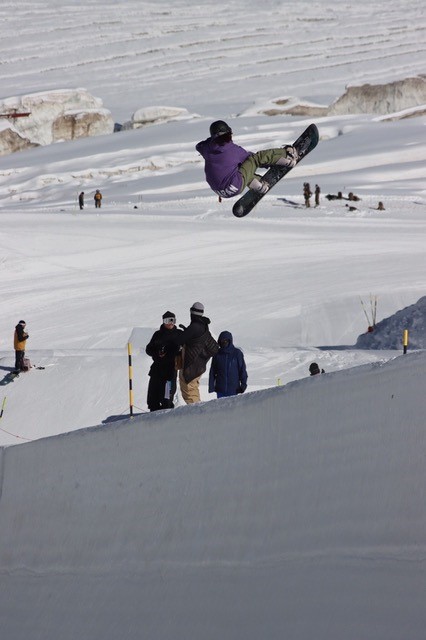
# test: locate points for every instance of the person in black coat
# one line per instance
(163, 349)
(198, 347)
(228, 373)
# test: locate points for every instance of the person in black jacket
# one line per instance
(163, 349)
(228, 373)
(198, 347)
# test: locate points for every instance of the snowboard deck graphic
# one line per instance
(304, 144)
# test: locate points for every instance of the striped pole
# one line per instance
(129, 351)
(405, 340)
(2, 407)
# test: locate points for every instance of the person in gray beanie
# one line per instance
(198, 346)
(197, 309)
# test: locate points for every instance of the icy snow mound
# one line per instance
(397, 100)
(11, 140)
(156, 115)
(381, 98)
(388, 332)
(53, 116)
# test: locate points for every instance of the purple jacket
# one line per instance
(221, 166)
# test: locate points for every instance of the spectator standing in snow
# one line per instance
(314, 369)
(317, 195)
(230, 168)
(98, 199)
(81, 200)
(19, 341)
(307, 193)
(162, 375)
(198, 347)
(228, 373)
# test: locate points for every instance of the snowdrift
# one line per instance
(388, 333)
(297, 511)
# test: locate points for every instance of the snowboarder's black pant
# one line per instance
(161, 393)
(19, 360)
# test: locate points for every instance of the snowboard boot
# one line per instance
(291, 157)
(258, 185)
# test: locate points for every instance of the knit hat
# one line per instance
(22, 322)
(197, 309)
(169, 314)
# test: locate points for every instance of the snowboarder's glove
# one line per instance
(242, 388)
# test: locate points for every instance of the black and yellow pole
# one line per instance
(129, 351)
(405, 340)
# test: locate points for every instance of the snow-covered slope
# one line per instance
(291, 512)
(294, 511)
(201, 54)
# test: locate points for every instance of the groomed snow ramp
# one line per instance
(296, 512)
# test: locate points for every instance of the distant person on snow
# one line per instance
(98, 199)
(19, 341)
(307, 193)
(314, 369)
(162, 375)
(230, 168)
(228, 373)
(81, 200)
(317, 195)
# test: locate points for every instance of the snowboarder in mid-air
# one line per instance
(229, 168)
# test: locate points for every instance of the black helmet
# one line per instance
(219, 128)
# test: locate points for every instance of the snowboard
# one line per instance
(9, 377)
(304, 145)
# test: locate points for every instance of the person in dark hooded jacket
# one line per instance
(198, 346)
(162, 375)
(314, 369)
(228, 373)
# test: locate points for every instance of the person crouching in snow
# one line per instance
(230, 169)
(228, 373)
(314, 369)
